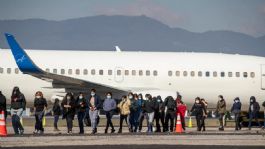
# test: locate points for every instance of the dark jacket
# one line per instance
(236, 108)
(149, 106)
(198, 109)
(56, 109)
(98, 103)
(256, 107)
(2, 102)
(170, 103)
(18, 101)
(134, 105)
(39, 104)
(81, 104)
(68, 111)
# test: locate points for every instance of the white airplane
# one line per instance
(206, 75)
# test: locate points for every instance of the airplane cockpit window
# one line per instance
(252, 74)
(140, 72)
(133, 72)
(207, 74)
(93, 71)
(155, 73)
(230, 74)
(200, 74)
(54, 71)
(47, 70)
(126, 72)
(214, 74)
(8, 70)
(101, 72)
(245, 74)
(77, 71)
(85, 72)
(192, 73)
(70, 71)
(16, 71)
(185, 73)
(237, 74)
(147, 72)
(62, 71)
(109, 72)
(169, 73)
(177, 73)
(222, 74)
(1, 70)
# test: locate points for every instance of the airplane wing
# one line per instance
(27, 66)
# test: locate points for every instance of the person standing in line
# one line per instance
(94, 104)
(204, 114)
(133, 111)
(253, 111)
(159, 114)
(170, 108)
(3, 104)
(141, 117)
(40, 106)
(149, 107)
(56, 111)
(198, 109)
(109, 105)
(81, 111)
(68, 105)
(236, 109)
(18, 105)
(263, 104)
(221, 109)
(124, 107)
(181, 109)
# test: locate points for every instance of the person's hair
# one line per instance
(93, 90)
(135, 96)
(202, 99)
(39, 93)
(109, 93)
(140, 95)
(253, 98)
(69, 94)
(221, 96)
(198, 98)
(124, 97)
(56, 101)
(130, 93)
(148, 96)
(15, 89)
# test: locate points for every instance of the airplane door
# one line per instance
(263, 77)
(119, 74)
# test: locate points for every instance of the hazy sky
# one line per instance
(246, 16)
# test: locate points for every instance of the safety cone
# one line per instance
(3, 131)
(178, 125)
(190, 123)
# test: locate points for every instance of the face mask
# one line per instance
(68, 97)
(251, 100)
(139, 98)
(158, 100)
(38, 97)
(130, 97)
(80, 97)
(108, 97)
(146, 98)
(92, 94)
(220, 99)
(197, 101)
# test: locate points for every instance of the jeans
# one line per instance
(93, 117)
(133, 120)
(69, 122)
(150, 119)
(80, 117)
(160, 116)
(170, 115)
(38, 117)
(16, 116)
(264, 119)
(124, 117)
(109, 115)
(251, 117)
(199, 121)
(237, 126)
(55, 122)
(221, 120)
(140, 120)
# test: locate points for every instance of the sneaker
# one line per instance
(120, 131)
(106, 131)
(21, 132)
(112, 130)
(35, 132)
(69, 132)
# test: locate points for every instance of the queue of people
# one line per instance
(160, 115)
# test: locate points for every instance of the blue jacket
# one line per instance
(97, 101)
(236, 108)
(109, 104)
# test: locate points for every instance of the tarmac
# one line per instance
(211, 138)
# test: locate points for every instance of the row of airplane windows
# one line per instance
(141, 73)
